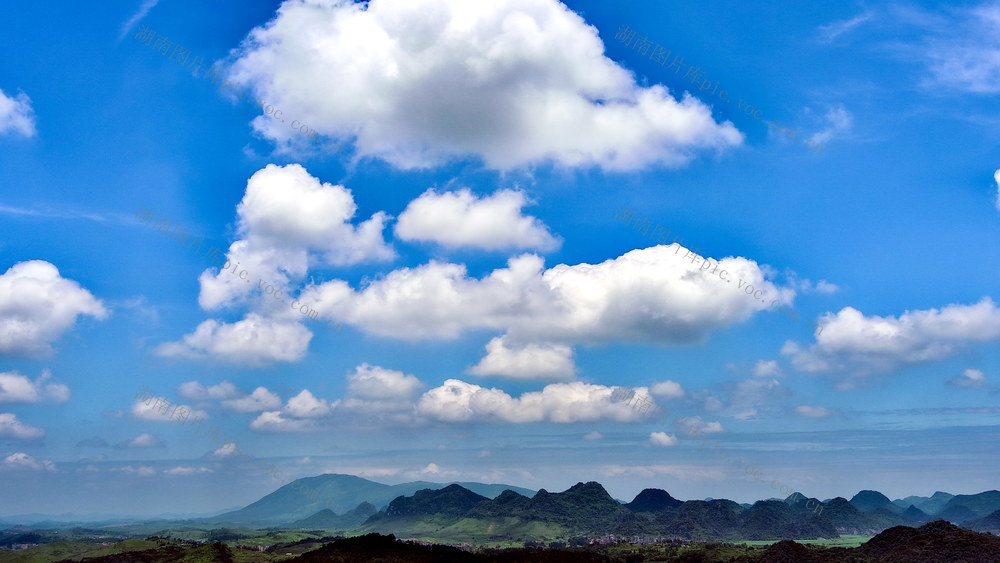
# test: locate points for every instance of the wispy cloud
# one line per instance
(814, 411)
(965, 53)
(996, 177)
(51, 213)
(829, 32)
(838, 122)
(144, 9)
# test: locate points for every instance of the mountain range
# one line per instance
(474, 511)
(477, 512)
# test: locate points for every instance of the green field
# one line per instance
(842, 541)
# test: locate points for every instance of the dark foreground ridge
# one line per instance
(932, 543)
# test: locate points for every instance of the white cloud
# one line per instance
(142, 411)
(651, 295)
(305, 405)
(141, 471)
(996, 178)
(593, 436)
(20, 460)
(16, 115)
(814, 411)
(144, 440)
(186, 471)
(969, 378)
(458, 401)
(695, 425)
(374, 390)
(17, 388)
(226, 450)
(260, 400)
(459, 218)
(285, 215)
(857, 345)
(666, 390)
(11, 427)
(302, 413)
(253, 341)
(662, 439)
(273, 421)
(530, 361)
(373, 393)
(198, 392)
(37, 305)
(419, 82)
(767, 368)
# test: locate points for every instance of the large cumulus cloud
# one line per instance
(419, 82)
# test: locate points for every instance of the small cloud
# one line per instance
(144, 440)
(593, 436)
(767, 368)
(432, 470)
(227, 450)
(254, 341)
(662, 439)
(260, 400)
(814, 411)
(696, 425)
(17, 388)
(38, 305)
(484, 453)
(141, 471)
(529, 361)
(461, 219)
(17, 115)
(305, 405)
(20, 460)
(197, 392)
(666, 390)
(94, 442)
(11, 427)
(152, 412)
(972, 378)
(186, 471)
(273, 421)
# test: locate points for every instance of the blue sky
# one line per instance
(466, 239)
